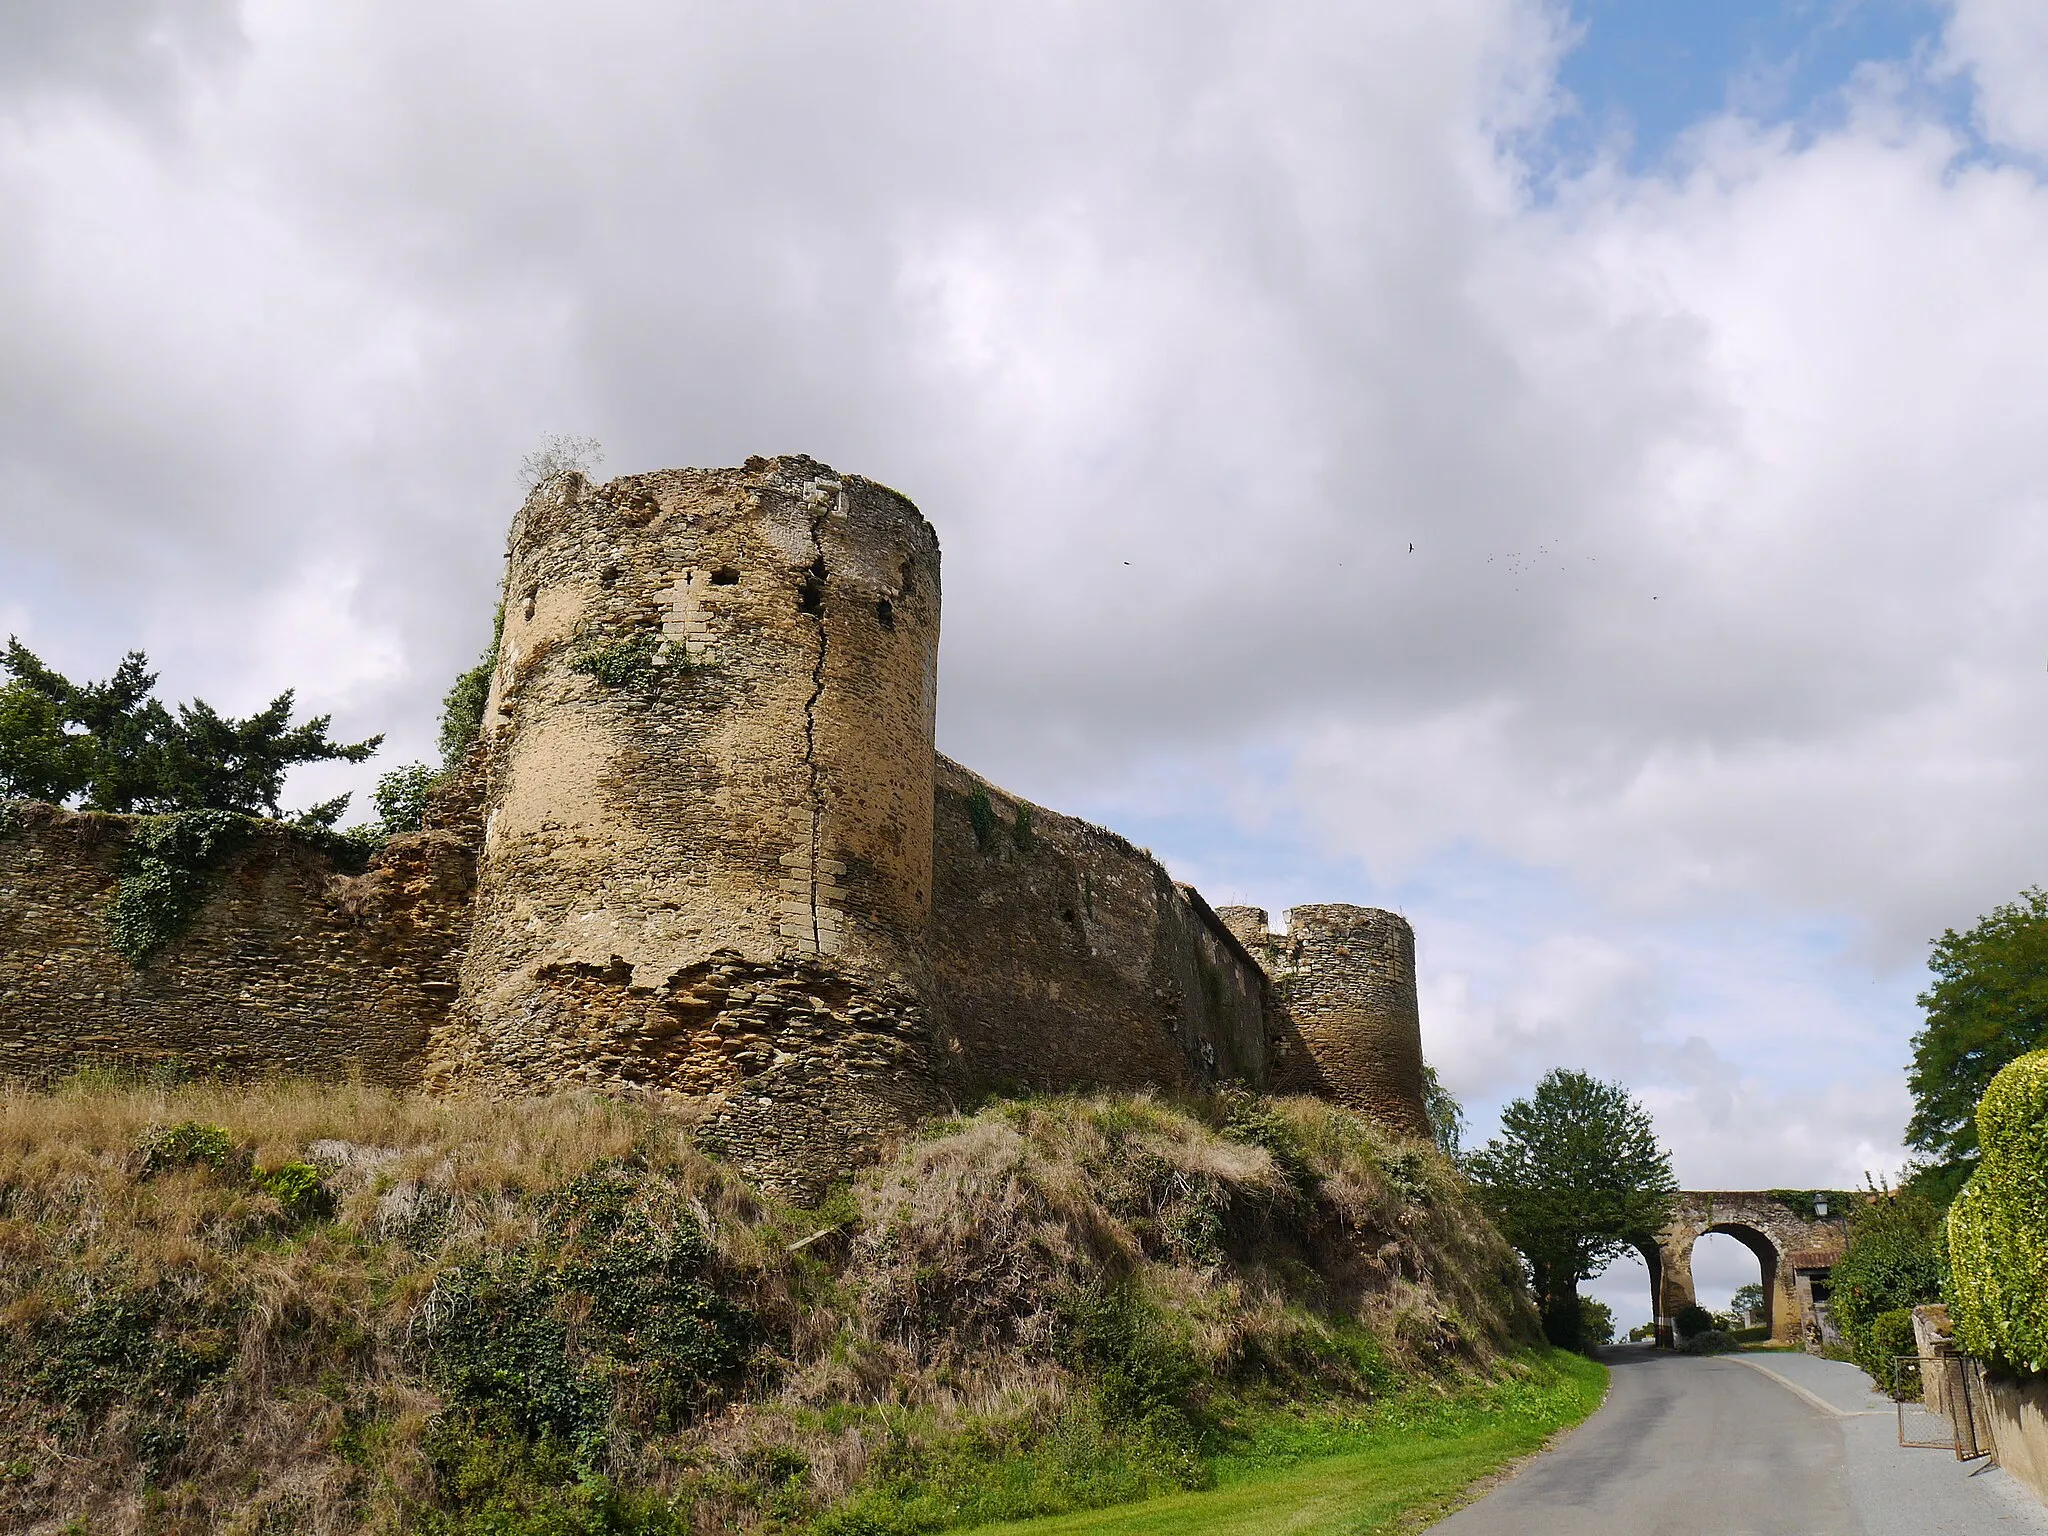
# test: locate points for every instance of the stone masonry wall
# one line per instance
(707, 871)
(1344, 978)
(290, 965)
(1064, 957)
(715, 858)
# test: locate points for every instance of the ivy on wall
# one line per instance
(1998, 1226)
(981, 815)
(462, 708)
(631, 661)
(1805, 1203)
(165, 876)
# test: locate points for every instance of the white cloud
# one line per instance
(2004, 45)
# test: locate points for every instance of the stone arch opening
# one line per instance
(1653, 1266)
(1794, 1246)
(1763, 1250)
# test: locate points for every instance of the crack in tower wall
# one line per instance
(819, 575)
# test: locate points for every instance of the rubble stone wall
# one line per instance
(291, 965)
(1064, 957)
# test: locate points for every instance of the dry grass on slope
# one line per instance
(357, 1311)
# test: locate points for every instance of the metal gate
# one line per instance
(1940, 1402)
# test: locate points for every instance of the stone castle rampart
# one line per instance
(290, 965)
(1058, 949)
(719, 859)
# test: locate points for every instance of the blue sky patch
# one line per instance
(1653, 68)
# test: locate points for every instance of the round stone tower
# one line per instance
(707, 857)
(1348, 981)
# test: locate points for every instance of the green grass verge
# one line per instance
(1387, 1467)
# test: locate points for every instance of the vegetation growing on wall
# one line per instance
(559, 455)
(569, 1320)
(462, 709)
(981, 815)
(632, 660)
(1807, 1203)
(1446, 1114)
(165, 875)
(1998, 1227)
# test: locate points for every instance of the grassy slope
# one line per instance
(1409, 1460)
(560, 1318)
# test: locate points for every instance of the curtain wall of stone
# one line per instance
(288, 965)
(1063, 957)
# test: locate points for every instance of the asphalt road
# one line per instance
(1688, 1446)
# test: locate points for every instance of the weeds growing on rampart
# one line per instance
(335, 1309)
(632, 661)
(166, 874)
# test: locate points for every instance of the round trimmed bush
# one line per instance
(1692, 1321)
(1998, 1226)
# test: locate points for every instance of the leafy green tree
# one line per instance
(402, 796)
(104, 741)
(1446, 1114)
(1575, 1177)
(215, 762)
(1893, 1262)
(114, 747)
(1988, 1007)
(462, 711)
(1747, 1304)
(39, 759)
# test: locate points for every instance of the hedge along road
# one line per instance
(1777, 1443)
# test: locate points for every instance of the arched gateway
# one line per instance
(1796, 1237)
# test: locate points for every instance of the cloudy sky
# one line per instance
(1572, 472)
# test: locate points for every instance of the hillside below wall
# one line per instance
(1064, 957)
(290, 965)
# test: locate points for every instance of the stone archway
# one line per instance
(1792, 1247)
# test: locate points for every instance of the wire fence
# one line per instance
(1940, 1403)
